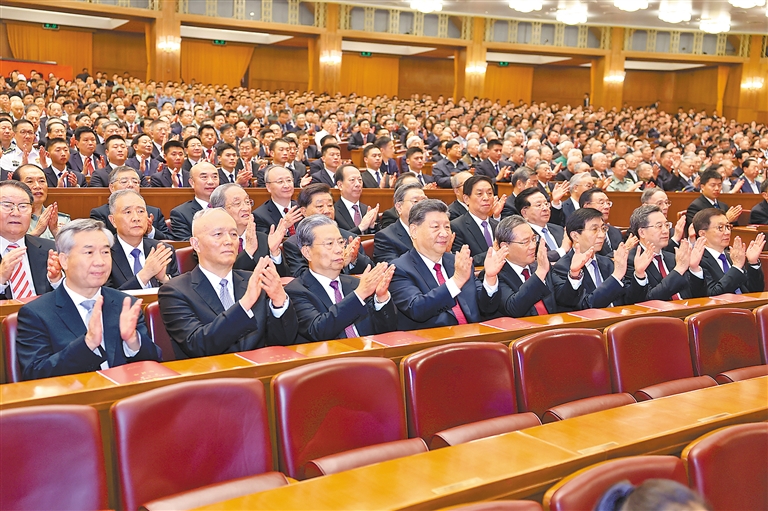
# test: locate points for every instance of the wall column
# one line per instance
(470, 64)
(163, 36)
(753, 101)
(607, 74)
(325, 55)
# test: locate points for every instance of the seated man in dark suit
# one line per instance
(351, 214)
(29, 265)
(82, 326)
(395, 240)
(390, 216)
(536, 209)
(728, 271)
(450, 165)
(433, 287)
(361, 137)
(331, 305)
(137, 262)
(85, 160)
(476, 227)
(121, 178)
(373, 177)
(658, 197)
(458, 207)
(204, 179)
(117, 153)
(142, 161)
(415, 158)
(216, 309)
(711, 187)
(172, 174)
(331, 160)
(584, 279)
(228, 172)
(759, 214)
(670, 277)
(279, 181)
(58, 174)
(316, 199)
(577, 185)
(596, 198)
(493, 166)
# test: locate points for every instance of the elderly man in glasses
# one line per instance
(597, 199)
(658, 197)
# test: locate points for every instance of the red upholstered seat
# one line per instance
(729, 467)
(158, 332)
(651, 366)
(761, 316)
(362, 456)
(563, 373)
(368, 247)
(723, 342)
(51, 458)
(582, 490)
(499, 505)
(212, 494)
(12, 368)
(189, 435)
(184, 259)
(334, 406)
(453, 387)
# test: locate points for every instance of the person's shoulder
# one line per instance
(38, 242)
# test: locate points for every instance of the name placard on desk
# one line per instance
(136, 372)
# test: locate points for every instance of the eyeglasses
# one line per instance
(602, 203)
(526, 243)
(282, 182)
(663, 203)
(27, 133)
(660, 225)
(594, 230)
(126, 180)
(541, 205)
(8, 207)
(328, 245)
(238, 203)
(721, 227)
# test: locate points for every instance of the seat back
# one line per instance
(368, 247)
(583, 489)
(744, 216)
(499, 505)
(158, 332)
(761, 317)
(334, 406)
(559, 366)
(722, 339)
(185, 436)
(637, 359)
(729, 467)
(12, 368)
(764, 266)
(184, 259)
(52, 459)
(456, 384)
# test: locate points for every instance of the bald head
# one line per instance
(207, 219)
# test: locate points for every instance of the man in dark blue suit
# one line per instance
(82, 326)
(432, 287)
(711, 187)
(86, 151)
(395, 240)
(330, 161)
(362, 137)
(58, 173)
(534, 206)
(415, 159)
(331, 305)
(216, 309)
(476, 227)
(142, 161)
(584, 279)
(597, 199)
(493, 166)
(351, 214)
(172, 174)
(279, 181)
(204, 179)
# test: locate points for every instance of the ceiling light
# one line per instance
(747, 4)
(427, 6)
(572, 13)
(675, 11)
(716, 25)
(526, 5)
(631, 5)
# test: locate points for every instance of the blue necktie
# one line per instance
(726, 267)
(136, 253)
(598, 277)
(549, 239)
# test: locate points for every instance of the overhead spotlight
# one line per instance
(427, 6)
(716, 25)
(526, 5)
(746, 4)
(631, 5)
(675, 11)
(572, 13)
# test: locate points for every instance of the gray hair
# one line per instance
(65, 240)
(577, 179)
(219, 195)
(504, 231)
(420, 210)
(305, 231)
(273, 167)
(119, 170)
(248, 140)
(122, 193)
(645, 198)
(579, 165)
(400, 192)
(639, 218)
(455, 178)
(521, 174)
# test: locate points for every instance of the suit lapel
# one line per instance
(426, 273)
(344, 213)
(239, 285)
(472, 227)
(121, 263)
(312, 285)
(111, 322)
(38, 261)
(203, 288)
(510, 277)
(68, 313)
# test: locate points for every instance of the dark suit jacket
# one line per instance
(759, 214)
(164, 179)
(76, 162)
(297, 264)
(589, 296)
(388, 218)
(697, 205)
(614, 238)
(688, 285)
(468, 233)
(122, 276)
(519, 298)
(181, 219)
(161, 228)
(53, 180)
(422, 303)
(391, 243)
(486, 168)
(37, 253)
(747, 188)
(100, 178)
(389, 167)
(568, 208)
(444, 169)
(356, 140)
(557, 233)
(321, 176)
(718, 282)
(196, 320)
(322, 320)
(455, 210)
(248, 263)
(368, 180)
(268, 215)
(344, 219)
(51, 336)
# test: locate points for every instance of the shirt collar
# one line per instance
(4, 244)
(203, 203)
(349, 204)
(76, 297)
(429, 262)
(325, 281)
(127, 248)
(215, 279)
(713, 252)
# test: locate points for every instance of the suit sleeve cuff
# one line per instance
(698, 274)
(128, 351)
(151, 234)
(278, 259)
(491, 290)
(278, 312)
(452, 288)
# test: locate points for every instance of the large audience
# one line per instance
(547, 247)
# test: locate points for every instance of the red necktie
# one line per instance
(240, 245)
(541, 309)
(663, 272)
(21, 285)
(291, 229)
(88, 166)
(456, 308)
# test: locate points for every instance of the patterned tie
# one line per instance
(357, 218)
(487, 233)
(291, 229)
(239, 245)
(88, 166)
(551, 244)
(456, 308)
(21, 285)
(541, 309)
(378, 177)
(663, 272)
(724, 261)
(598, 277)
(226, 299)
(350, 330)
(88, 305)
(136, 253)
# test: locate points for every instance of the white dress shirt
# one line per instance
(215, 284)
